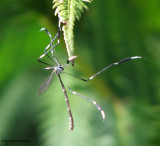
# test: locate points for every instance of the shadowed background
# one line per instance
(129, 93)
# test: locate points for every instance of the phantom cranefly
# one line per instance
(59, 69)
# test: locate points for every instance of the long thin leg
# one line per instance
(51, 44)
(71, 122)
(52, 47)
(43, 62)
(46, 53)
(46, 48)
(94, 102)
(113, 64)
(52, 40)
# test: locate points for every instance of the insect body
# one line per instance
(59, 69)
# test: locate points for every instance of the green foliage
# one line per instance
(68, 11)
(128, 93)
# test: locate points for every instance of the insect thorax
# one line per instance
(59, 69)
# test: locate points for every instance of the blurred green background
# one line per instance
(129, 93)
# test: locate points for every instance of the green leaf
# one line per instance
(68, 11)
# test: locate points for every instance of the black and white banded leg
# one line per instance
(94, 102)
(71, 122)
(46, 84)
(113, 64)
(52, 49)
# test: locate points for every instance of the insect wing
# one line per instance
(45, 85)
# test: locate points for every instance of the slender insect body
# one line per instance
(58, 69)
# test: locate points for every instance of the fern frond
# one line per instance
(68, 11)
